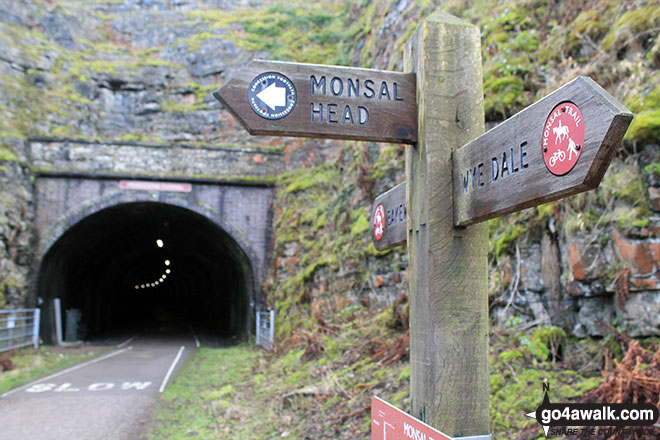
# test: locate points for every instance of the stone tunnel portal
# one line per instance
(134, 266)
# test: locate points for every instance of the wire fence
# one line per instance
(266, 329)
(19, 328)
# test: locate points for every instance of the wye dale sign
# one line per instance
(292, 99)
(557, 147)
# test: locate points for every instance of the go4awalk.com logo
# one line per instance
(594, 419)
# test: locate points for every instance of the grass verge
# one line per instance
(321, 385)
(30, 364)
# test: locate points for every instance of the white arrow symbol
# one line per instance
(546, 428)
(273, 96)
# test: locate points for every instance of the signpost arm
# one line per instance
(449, 276)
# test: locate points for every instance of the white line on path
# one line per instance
(169, 372)
(195, 336)
(68, 370)
(128, 341)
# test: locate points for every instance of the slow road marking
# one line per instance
(68, 370)
(98, 386)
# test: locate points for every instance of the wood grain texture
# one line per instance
(396, 225)
(605, 122)
(448, 281)
(390, 119)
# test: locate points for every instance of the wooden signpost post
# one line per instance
(456, 177)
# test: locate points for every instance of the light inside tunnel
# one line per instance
(99, 263)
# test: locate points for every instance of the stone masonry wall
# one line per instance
(214, 162)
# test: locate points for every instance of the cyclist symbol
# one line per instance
(558, 155)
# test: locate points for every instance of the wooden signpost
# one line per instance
(456, 177)
(389, 219)
(293, 99)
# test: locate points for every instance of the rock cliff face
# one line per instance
(16, 216)
(143, 70)
(131, 71)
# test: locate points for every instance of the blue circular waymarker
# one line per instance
(272, 95)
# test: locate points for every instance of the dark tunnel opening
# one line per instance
(147, 265)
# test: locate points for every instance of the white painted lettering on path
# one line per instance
(98, 386)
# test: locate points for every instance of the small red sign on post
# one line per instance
(379, 222)
(390, 423)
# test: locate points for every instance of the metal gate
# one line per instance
(19, 328)
(266, 329)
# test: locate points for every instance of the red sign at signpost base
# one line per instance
(390, 423)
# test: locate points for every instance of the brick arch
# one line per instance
(246, 257)
(93, 206)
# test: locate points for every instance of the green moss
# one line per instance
(138, 137)
(195, 41)
(545, 211)
(504, 238)
(645, 128)
(519, 365)
(361, 225)
(624, 181)
(300, 31)
(7, 153)
(648, 100)
(503, 95)
(201, 94)
(587, 24)
(630, 25)
(62, 131)
(653, 168)
(627, 217)
(526, 41)
(305, 181)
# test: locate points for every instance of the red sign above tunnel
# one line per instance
(149, 185)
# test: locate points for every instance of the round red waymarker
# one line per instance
(563, 138)
(379, 222)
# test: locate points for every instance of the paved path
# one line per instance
(110, 397)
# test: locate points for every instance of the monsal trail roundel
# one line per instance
(379, 222)
(563, 138)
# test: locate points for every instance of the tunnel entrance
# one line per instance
(138, 266)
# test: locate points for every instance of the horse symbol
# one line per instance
(560, 132)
